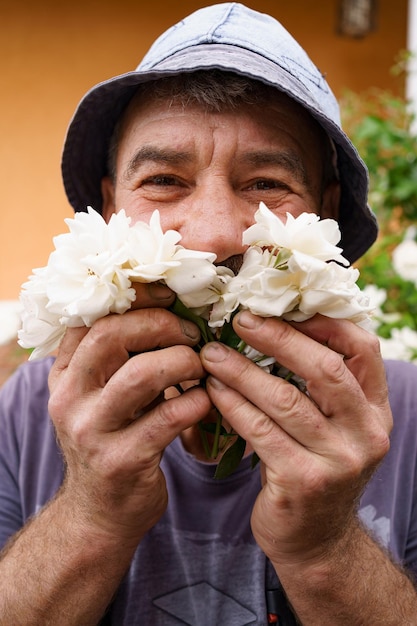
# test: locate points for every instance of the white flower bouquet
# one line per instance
(290, 270)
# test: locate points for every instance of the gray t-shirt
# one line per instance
(199, 565)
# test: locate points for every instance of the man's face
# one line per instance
(206, 173)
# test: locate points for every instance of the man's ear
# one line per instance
(331, 201)
(107, 191)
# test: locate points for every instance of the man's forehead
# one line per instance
(146, 105)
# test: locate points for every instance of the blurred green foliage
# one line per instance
(381, 126)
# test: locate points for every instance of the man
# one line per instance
(123, 522)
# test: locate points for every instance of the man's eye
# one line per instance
(265, 184)
(161, 180)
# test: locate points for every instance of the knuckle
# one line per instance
(101, 329)
(157, 316)
(58, 402)
(283, 333)
(354, 463)
(169, 418)
(164, 324)
(332, 367)
(80, 433)
(186, 356)
(286, 396)
(262, 426)
(54, 405)
(359, 461)
(180, 361)
(243, 365)
(373, 343)
(379, 444)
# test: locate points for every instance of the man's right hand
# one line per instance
(110, 416)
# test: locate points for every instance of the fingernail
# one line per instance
(247, 320)
(215, 352)
(159, 292)
(190, 330)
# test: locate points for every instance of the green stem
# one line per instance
(204, 441)
(215, 448)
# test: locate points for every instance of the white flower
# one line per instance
(402, 345)
(264, 362)
(91, 270)
(40, 328)
(306, 234)
(215, 294)
(262, 288)
(329, 289)
(87, 274)
(288, 272)
(10, 314)
(156, 255)
(195, 272)
(404, 257)
(377, 297)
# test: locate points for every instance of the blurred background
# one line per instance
(53, 52)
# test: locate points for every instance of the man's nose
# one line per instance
(214, 220)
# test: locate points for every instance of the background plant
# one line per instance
(381, 126)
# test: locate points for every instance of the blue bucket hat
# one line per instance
(228, 37)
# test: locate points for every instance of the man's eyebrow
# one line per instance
(154, 154)
(287, 160)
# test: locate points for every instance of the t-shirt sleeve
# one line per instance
(11, 518)
(30, 462)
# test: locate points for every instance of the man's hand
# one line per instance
(317, 450)
(111, 419)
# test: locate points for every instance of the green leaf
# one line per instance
(229, 337)
(282, 259)
(231, 459)
(212, 427)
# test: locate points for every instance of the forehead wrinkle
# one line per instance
(287, 160)
(153, 154)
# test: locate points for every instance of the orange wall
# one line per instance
(52, 51)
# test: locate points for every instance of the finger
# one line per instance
(268, 438)
(93, 356)
(355, 423)
(361, 349)
(112, 339)
(143, 379)
(338, 389)
(281, 422)
(275, 400)
(150, 295)
(157, 428)
(69, 343)
(127, 396)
